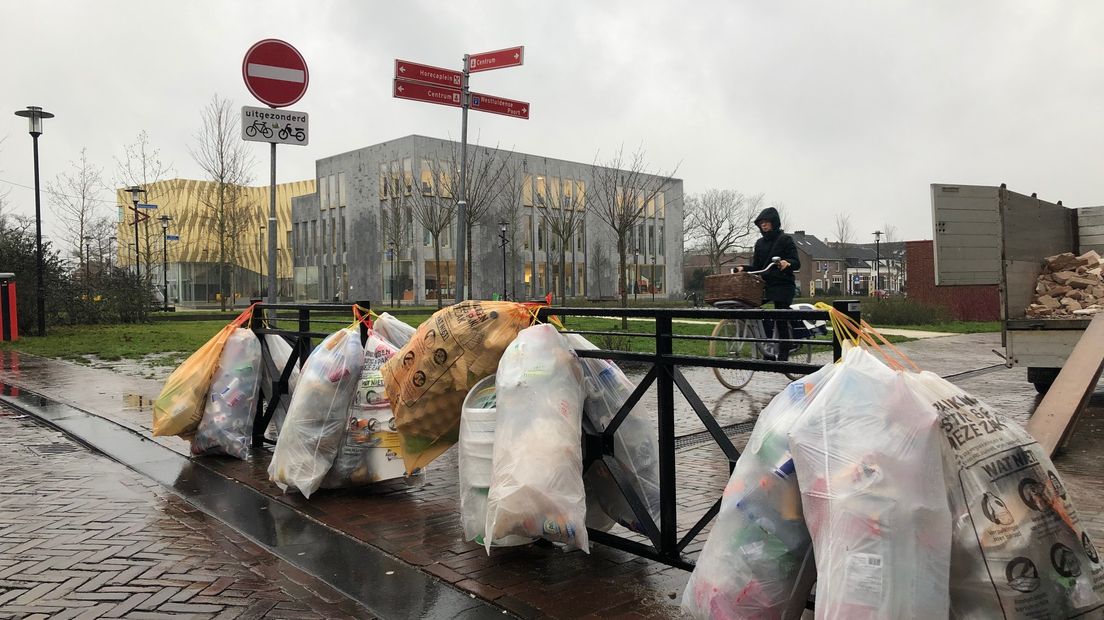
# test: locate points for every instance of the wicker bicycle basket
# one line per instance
(743, 287)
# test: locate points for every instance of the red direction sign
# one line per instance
(406, 70)
(275, 72)
(498, 59)
(428, 93)
(500, 105)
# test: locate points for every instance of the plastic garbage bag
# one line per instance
(1019, 548)
(636, 441)
(281, 351)
(370, 446)
(227, 424)
(476, 463)
(428, 379)
(537, 477)
(393, 330)
(315, 422)
(867, 455)
(757, 561)
(179, 407)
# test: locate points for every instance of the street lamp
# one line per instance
(391, 256)
(260, 259)
(502, 226)
(877, 261)
(164, 219)
(636, 269)
(34, 116)
(134, 192)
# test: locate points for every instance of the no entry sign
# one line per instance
(275, 72)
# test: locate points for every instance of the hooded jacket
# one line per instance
(775, 243)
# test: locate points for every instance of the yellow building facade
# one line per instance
(179, 244)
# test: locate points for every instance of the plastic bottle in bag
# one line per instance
(315, 423)
(227, 423)
(757, 561)
(868, 462)
(537, 478)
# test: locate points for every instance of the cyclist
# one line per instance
(780, 280)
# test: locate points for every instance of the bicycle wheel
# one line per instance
(802, 355)
(251, 131)
(731, 378)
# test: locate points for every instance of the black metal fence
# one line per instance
(665, 544)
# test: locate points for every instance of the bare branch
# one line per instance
(74, 196)
(720, 222)
(845, 233)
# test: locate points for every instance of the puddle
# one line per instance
(156, 366)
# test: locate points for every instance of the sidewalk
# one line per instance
(420, 526)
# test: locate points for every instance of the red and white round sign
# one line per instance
(275, 73)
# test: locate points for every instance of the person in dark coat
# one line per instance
(780, 279)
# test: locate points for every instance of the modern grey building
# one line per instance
(377, 198)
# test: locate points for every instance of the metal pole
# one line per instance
(462, 202)
(877, 264)
(665, 402)
(165, 264)
(503, 265)
(40, 267)
(137, 252)
(392, 278)
(272, 297)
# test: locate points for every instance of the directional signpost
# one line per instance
(276, 74)
(429, 84)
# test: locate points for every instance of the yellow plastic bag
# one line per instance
(179, 407)
(428, 379)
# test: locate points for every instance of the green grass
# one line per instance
(958, 327)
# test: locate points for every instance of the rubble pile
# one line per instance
(1070, 286)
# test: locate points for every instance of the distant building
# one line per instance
(341, 250)
(193, 259)
(822, 267)
(979, 302)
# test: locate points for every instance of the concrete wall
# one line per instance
(980, 302)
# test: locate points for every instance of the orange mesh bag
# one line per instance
(428, 379)
(179, 407)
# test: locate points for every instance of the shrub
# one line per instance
(901, 311)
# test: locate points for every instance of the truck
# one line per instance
(990, 235)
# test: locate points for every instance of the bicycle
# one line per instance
(258, 126)
(749, 340)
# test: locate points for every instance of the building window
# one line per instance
(344, 247)
(662, 240)
(323, 192)
(540, 238)
(341, 189)
(324, 246)
(527, 190)
(295, 232)
(383, 181)
(580, 194)
(289, 239)
(660, 205)
(651, 239)
(528, 232)
(314, 238)
(408, 176)
(333, 191)
(427, 178)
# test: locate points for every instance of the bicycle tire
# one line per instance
(283, 134)
(731, 378)
(796, 356)
(266, 132)
(251, 131)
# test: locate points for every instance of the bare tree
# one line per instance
(510, 209)
(486, 168)
(74, 196)
(397, 223)
(620, 190)
(601, 260)
(434, 208)
(563, 216)
(719, 222)
(141, 165)
(845, 233)
(778, 206)
(224, 158)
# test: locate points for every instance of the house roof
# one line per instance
(813, 246)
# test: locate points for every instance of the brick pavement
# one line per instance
(84, 537)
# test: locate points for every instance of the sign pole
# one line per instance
(272, 297)
(462, 203)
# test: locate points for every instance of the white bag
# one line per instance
(757, 562)
(315, 422)
(280, 351)
(867, 455)
(537, 479)
(393, 330)
(227, 424)
(636, 442)
(1020, 550)
(369, 447)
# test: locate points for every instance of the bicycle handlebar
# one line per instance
(774, 262)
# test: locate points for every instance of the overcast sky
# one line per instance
(827, 107)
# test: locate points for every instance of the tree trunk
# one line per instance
(563, 274)
(468, 264)
(437, 265)
(621, 279)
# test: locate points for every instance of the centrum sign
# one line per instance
(276, 126)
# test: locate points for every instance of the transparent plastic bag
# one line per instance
(428, 379)
(316, 418)
(636, 442)
(867, 456)
(1019, 548)
(757, 562)
(281, 351)
(393, 330)
(537, 477)
(370, 446)
(227, 424)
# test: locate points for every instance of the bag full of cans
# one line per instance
(227, 424)
(536, 485)
(315, 425)
(758, 560)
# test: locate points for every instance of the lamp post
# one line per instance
(34, 116)
(877, 261)
(165, 219)
(391, 257)
(260, 256)
(502, 226)
(134, 192)
(636, 270)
